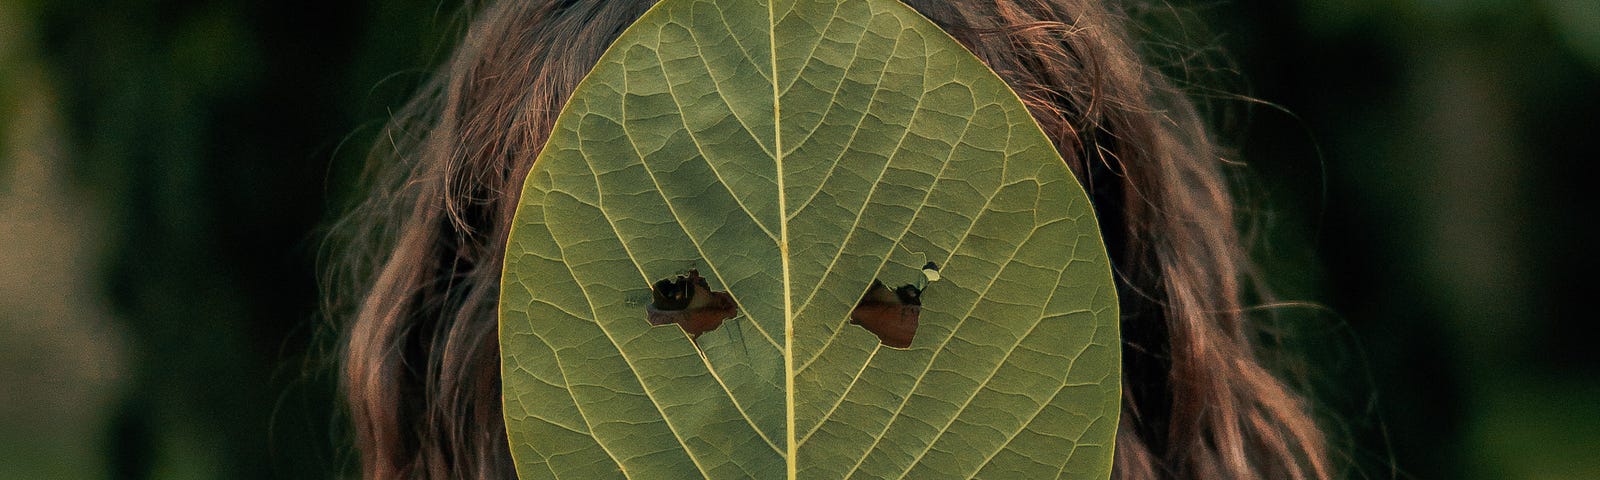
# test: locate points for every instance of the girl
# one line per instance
(421, 362)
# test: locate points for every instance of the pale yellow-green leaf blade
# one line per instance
(792, 153)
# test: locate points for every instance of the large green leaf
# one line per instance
(793, 153)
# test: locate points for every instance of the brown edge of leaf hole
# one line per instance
(689, 302)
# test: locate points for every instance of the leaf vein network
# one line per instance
(594, 317)
(961, 320)
(600, 205)
(704, 155)
(678, 219)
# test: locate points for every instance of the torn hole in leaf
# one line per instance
(889, 314)
(688, 301)
(930, 272)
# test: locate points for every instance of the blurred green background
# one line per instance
(1420, 176)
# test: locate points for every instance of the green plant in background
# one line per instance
(804, 157)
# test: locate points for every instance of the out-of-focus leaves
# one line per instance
(1577, 22)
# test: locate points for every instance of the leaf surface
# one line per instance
(793, 152)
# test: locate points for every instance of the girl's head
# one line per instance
(421, 363)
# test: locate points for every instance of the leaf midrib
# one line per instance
(783, 247)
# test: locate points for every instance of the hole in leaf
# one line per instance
(930, 272)
(688, 301)
(889, 314)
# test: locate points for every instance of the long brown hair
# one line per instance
(421, 358)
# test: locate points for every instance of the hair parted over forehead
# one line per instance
(420, 259)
